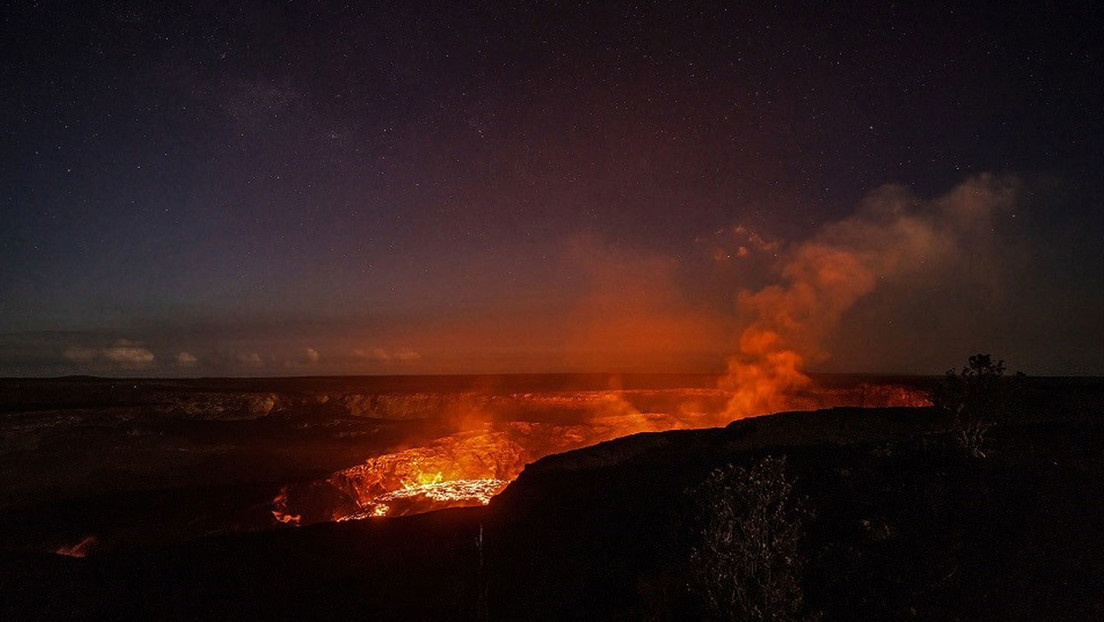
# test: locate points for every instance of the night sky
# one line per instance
(269, 188)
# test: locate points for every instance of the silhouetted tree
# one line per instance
(748, 564)
(977, 396)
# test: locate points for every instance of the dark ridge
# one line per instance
(905, 526)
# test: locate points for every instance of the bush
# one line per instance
(976, 397)
(748, 564)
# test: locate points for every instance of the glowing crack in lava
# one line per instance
(469, 467)
(425, 497)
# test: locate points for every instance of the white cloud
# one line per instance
(186, 359)
(123, 353)
(402, 355)
(312, 355)
(252, 359)
(129, 355)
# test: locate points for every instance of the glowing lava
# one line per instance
(426, 497)
(469, 467)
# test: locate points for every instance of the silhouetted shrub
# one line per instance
(748, 564)
(977, 396)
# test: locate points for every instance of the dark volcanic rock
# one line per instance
(905, 527)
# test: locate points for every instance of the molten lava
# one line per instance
(432, 496)
(469, 467)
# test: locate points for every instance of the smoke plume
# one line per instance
(892, 235)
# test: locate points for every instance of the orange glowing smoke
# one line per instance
(893, 234)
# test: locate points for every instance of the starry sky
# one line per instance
(302, 188)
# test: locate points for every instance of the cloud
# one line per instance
(129, 355)
(123, 353)
(251, 359)
(382, 355)
(312, 355)
(186, 359)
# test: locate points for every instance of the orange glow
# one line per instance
(469, 467)
(279, 509)
(455, 493)
(633, 310)
(80, 549)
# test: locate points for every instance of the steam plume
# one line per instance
(892, 234)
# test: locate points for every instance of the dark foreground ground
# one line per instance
(905, 526)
